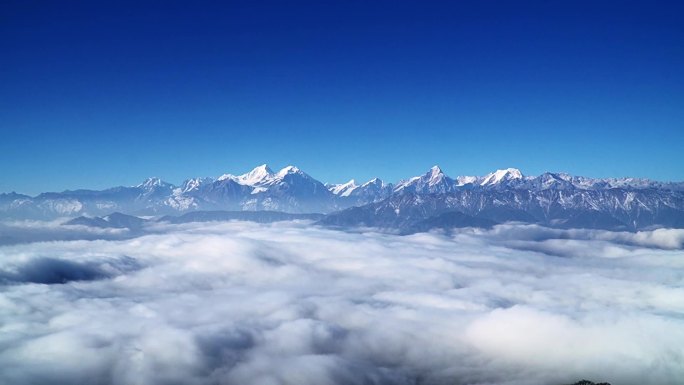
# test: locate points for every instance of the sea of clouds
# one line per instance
(291, 303)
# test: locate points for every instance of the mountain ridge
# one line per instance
(502, 195)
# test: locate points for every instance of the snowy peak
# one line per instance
(262, 180)
(151, 183)
(354, 194)
(500, 176)
(344, 189)
(193, 184)
(464, 180)
(227, 176)
(374, 182)
(433, 181)
(258, 175)
(292, 175)
(289, 170)
(371, 191)
(435, 175)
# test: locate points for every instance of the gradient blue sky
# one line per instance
(101, 93)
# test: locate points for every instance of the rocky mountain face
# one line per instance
(612, 209)
(421, 202)
(288, 190)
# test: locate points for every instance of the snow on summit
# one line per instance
(344, 189)
(289, 170)
(151, 182)
(292, 190)
(499, 176)
(436, 175)
(258, 175)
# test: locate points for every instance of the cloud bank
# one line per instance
(16, 232)
(287, 303)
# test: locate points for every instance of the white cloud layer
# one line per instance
(240, 303)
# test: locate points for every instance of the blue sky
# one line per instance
(96, 94)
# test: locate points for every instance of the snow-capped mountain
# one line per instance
(433, 181)
(259, 175)
(613, 209)
(343, 189)
(373, 190)
(289, 190)
(351, 194)
(499, 177)
(503, 195)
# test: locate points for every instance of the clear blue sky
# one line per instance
(102, 93)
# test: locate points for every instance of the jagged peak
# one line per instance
(555, 175)
(435, 172)
(375, 181)
(501, 175)
(194, 183)
(435, 175)
(289, 170)
(199, 179)
(226, 176)
(343, 189)
(514, 172)
(262, 169)
(351, 182)
(258, 174)
(465, 179)
(151, 182)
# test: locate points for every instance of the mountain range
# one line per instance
(414, 204)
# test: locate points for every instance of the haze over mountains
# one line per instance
(421, 202)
